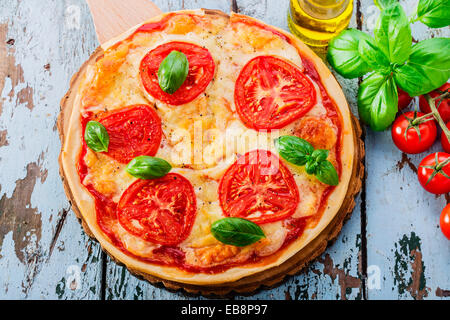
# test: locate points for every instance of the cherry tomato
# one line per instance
(404, 99)
(444, 221)
(444, 141)
(434, 173)
(159, 210)
(258, 187)
(271, 93)
(444, 107)
(133, 131)
(412, 142)
(201, 72)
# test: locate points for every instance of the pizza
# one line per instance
(235, 171)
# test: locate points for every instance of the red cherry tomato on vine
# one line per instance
(412, 135)
(445, 221)
(434, 173)
(444, 141)
(404, 99)
(444, 107)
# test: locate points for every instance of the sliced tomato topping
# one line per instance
(201, 72)
(159, 210)
(271, 93)
(133, 131)
(258, 187)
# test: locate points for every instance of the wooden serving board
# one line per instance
(113, 17)
(106, 29)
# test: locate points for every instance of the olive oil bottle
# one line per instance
(316, 22)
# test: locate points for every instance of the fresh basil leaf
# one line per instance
(383, 4)
(393, 34)
(373, 56)
(434, 13)
(343, 54)
(326, 173)
(378, 101)
(173, 71)
(320, 155)
(236, 231)
(146, 167)
(96, 136)
(294, 149)
(311, 167)
(427, 68)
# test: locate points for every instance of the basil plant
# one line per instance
(392, 60)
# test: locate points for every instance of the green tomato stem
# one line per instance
(422, 119)
(440, 166)
(436, 114)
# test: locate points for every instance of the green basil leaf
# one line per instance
(96, 136)
(173, 71)
(320, 155)
(146, 167)
(326, 173)
(393, 34)
(427, 68)
(383, 4)
(294, 149)
(236, 231)
(378, 101)
(343, 54)
(434, 13)
(373, 56)
(311, 167)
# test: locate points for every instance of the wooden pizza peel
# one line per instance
(112, 18)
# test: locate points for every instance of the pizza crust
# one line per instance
(240, 279)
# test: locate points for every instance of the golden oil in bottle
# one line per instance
(316, 22)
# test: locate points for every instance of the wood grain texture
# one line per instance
(404, 241)
(43, 251)
(42, 43)
(113, 17)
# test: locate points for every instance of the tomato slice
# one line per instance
(271, 93)
(133, 131)
(201, 72)
(160, 210)
(258, 187)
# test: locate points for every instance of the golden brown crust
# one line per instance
(247, 284)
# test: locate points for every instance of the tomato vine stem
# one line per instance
(435, 112)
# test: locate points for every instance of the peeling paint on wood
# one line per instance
(38, 250)
(403, 237)
(18, 215)
(346, 281)
(409, 268)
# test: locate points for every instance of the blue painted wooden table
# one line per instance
(391, 248)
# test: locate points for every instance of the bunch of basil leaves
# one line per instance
(392, 60)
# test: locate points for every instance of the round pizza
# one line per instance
(209, 151)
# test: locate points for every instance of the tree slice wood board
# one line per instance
(267, 278)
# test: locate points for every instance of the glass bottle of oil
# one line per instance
(316, 22)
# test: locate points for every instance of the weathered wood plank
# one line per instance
(405, 243)
(42, 246)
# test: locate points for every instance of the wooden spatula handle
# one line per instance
(113, 17)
